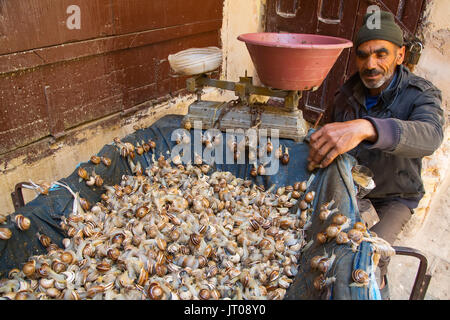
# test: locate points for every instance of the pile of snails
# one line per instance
(172, 232)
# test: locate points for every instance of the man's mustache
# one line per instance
(371, 72)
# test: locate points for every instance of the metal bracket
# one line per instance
(422, 277)
(17, 196)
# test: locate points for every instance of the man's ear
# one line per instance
(401, 55)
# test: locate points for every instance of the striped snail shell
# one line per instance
(143, 277)
(103, 266)
(5, 233)
(113, 253)
(274, 275)
(98, 181)
(95, 159)
(360, 276)
(92, 291)
(342, 238)
(315, 261)
(155, 292)
(118, 238)
(161, 269)
(254, 224)
(106, 161)
(204, 294)
(82, 173)
(161, 243)
(85, 204)
(195, 239)
(202, 261)
(58, 266)
(215, 294)
(22, 222)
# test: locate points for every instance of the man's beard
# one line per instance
(379, 83)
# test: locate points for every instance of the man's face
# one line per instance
(376, 61)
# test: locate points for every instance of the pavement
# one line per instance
(432, 239)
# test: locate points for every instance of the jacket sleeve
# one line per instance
(418, 136)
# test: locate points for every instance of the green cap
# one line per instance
(386, 29)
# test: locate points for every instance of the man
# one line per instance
(388, 119)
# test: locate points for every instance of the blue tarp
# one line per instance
(334, 182)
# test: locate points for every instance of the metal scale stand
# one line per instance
(241, 113)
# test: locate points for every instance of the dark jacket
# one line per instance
(409, 121)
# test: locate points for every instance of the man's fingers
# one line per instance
(329, 158)
(320, 153)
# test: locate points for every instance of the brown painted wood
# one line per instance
(49, 84)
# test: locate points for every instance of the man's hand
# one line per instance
(337, 138)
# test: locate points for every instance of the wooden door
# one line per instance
(339, 18)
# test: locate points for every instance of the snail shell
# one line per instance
(106, 161)
(95, 159)
(82, 173)
(142, 211)
(342, 238)
(319, 282)
(113, 253)
(22, 222)
(46, 283)
(143, 277)
(295, 194)
(103, 266)
(359, 226)
(360, 276)
(332, 231)
(29, 268)
(152, 144)
(253, 172)
(195, 239)
(204, 294)
(5, 233)
(98, 181)
(254, 224)
(303, 205)
(155, 292)
(274, 275)
(58, 266)
(339, 219)
(355, 235)
(85, 204)
(321, 237)
(53, 293)
(315, 261)
(161, 244)
(309, 197)
(92, 291)
(67, 257)
(118, 238)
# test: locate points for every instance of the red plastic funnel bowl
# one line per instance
(293, 61)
